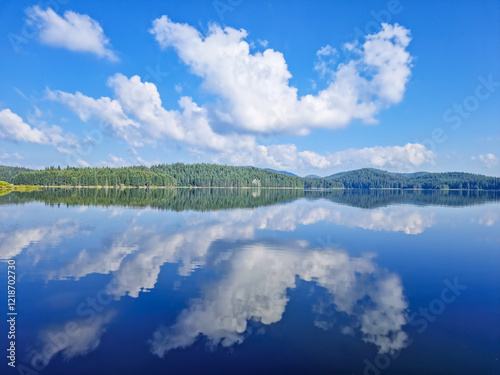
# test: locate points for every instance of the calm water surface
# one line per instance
(253, 282)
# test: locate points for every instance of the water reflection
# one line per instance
(223, 199)
(233, 272)
(255, 284)
(135, 255)
(13, 242)
(71, 339)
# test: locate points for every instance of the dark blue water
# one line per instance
(308, 285)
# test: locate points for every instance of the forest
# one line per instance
(368, 178)
(161, 199)
(70, 176)
(214, 175)
(211, 199)
(7, 174)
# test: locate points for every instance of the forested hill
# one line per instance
(126, 176)
(7, 174)
(375, 178)
(196, 175)
(213, 175)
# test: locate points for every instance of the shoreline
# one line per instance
(242, 187)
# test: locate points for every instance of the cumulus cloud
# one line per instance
(114, 162)
(256, 96)
(288, 157)
(73, 31)
(255, 86)
(136, 115)
(13, 128)
(410, 155)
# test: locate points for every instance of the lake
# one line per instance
(222, 281)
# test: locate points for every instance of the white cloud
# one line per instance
(114, 162)
(314, 160)
(14, 155)
(257, 97)
(12, 127)
(137, 116)
(83, 163)
(490, 160)
(141, 161)
(326, 57)
(399, 157)
(287, 157)
(255, 86)
(107, 111)
(73, 31)
(263, 43)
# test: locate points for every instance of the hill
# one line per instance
(368, 178)
(179, 174)
(282, 172)
(8, 173)
(70, 176)
(213, 175)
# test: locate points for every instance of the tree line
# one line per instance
(213, 175)
(7, 174)
(368, 178)
(162, 199)
(71, 176)
(210, 199)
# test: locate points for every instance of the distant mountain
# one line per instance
(376, 178)
(338, 174)
(312, 176)
(412, 175)
(282, 172)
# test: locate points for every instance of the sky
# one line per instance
(311, 87)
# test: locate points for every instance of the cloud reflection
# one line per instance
(82, 339)
(14, 242)
(254, 288)
(136, 256)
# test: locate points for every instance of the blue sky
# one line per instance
(307, 86)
